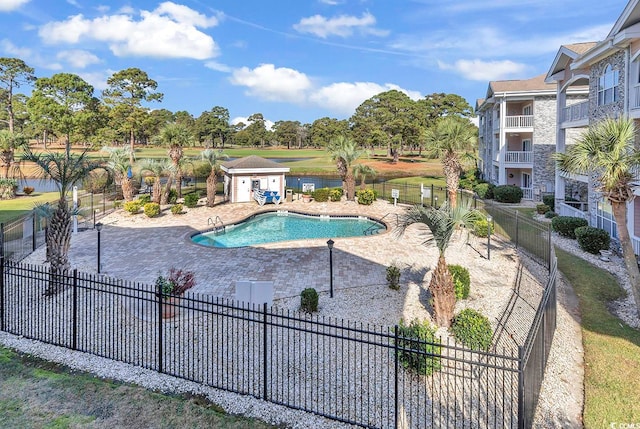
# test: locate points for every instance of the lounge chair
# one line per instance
(263, 197)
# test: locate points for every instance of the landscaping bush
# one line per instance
(320, 195)
(28, 190)
(472, 329)
(144, 199)
(507, 194)
(461, 280)
(592, 240)
(481, 228)
(393, 277)
(550, 215)
(484, 190)
(566, 225)
(550, 200)
(542, 208)
(173, 196)
(336, 194)
(152, 209)
(415, 341)
(176, 209)
(309, 300)
(96, 181)
(191, 200)
(365, 197)
(132, 207)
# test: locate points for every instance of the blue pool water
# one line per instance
(284, 226)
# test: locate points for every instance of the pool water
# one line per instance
(285, 226)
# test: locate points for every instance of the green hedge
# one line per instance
(321, 195)
(542, 208)
(592, 240)
(366, 197)
(336, 194)
(472, 329)
(461, 280)
(566, 225)
(191, 200)
(481, 228)
(152, 209)
(484, 190)
(416, 342)
(309, 300)
(550, 200)
(176, 209)
(507, 194)
(132, 207)
(393, 277)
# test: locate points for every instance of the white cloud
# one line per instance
(9, 5)
(97, 79)
(170, 31)
(267, 123)
(345, 97)
(485, 70)
(342, 25)
(74, 3)
(78, 58)
(274, 84)
(213, 65)
(330, 2)
(27, 55)
(9, 48)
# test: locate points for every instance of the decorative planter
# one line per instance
(170, 307)
(306, 198)
(605, 255)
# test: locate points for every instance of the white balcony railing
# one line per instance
(572, 210)
(518, 157)
(521, 121)
(635, 102)
(527, 193)
(576, 112)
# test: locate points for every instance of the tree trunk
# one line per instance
(132, 141)
(179, 181)
(211, 188)
(127, 188)
(351, 186)
(6, 157)
(630, 261)
(451, 170)
(363, 185)
(156, 191)
(58, 241)
(443, 293)
(164, 200)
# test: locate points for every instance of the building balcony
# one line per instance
(635, 97)
(520, 121)
(576, 112)
(518, 157)
(527, 193)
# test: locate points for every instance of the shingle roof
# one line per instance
(533, 84)
(580, 48)
(251, 162)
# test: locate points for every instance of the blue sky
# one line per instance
(299, 60)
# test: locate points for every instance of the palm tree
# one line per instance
(344, 151)
(177, 137)
(441, 224)
(363, 171)
(158, 168)
(65, 170)
(606, 151)
(212, 157)
(9, 143)
(119, 165)
(448, 140)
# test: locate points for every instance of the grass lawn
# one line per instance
(12, 209)
(417, 180)
(38, 394)
(611, 348)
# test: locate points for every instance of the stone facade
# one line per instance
(617, 62)
(544, 144)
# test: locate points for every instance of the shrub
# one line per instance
(566, 225)
(117, 204)
(507, 194)
(144, 199)
(335, 194)
(96, 181)
(152, 209)
(309, 300)
(132, 207)
(484, 190)
(320, 195)
(173, 196)
(542, 208)
(191, 200)
(176, 209)
(417, 343)
(592, 240)
(550, 200)
(393, 277)
(550, 214)
(481, 228)
(472, 329)
(461, 280)
(149, 180)
(365, 197)
(28, 190)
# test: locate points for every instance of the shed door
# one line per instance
(244, 189)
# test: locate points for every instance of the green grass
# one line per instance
(417, 180)
(38, 394)
(611, 348)
(12, 209)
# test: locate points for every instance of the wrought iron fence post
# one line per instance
(517, 228)
(2, 325)
(521, 405)
(432, 195)
(2, 240)
(264, 354)
(74, 327)
(395, 382)
(160, 333)
(549, 246)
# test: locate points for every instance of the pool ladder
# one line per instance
(218, 225)
(374, 228)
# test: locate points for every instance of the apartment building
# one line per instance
(610, 72)
(517, 135)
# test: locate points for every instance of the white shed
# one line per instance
(244, 175)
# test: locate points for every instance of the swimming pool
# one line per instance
(284, 226)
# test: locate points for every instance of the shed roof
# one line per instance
(253, 163)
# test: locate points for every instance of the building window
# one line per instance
(527, 110)
(608, 86)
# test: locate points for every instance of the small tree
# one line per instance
(119, 165)
(212, 158)
(344, 151)
(9, 143)
(363, 171)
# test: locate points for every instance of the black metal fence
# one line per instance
(343, 370)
